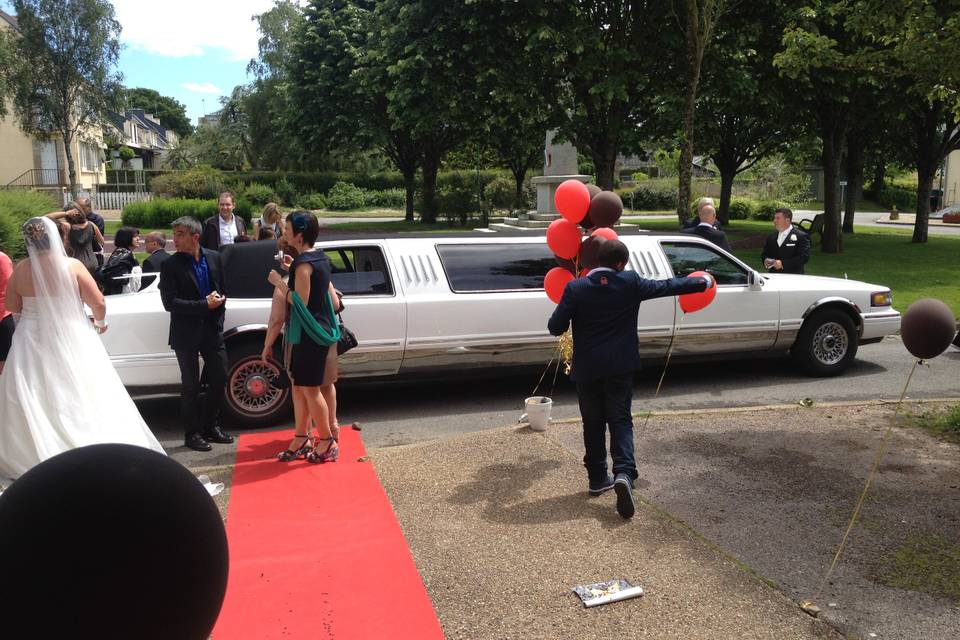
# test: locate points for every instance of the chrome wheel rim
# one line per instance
(830, 343)
(252, 388)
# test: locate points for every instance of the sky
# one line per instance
(191, 50)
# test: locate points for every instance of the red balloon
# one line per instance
(691, 302)
(554, 282)
(584, 272)
(563, 237)
(606, 233)
(572, 199)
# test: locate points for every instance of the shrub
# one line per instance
(344, 196)
(197, 183)
(159, 213)
(312, 201)
(766, 208)
(261, 194)
(740, 209)
(647, 198)
(16, 207)
(887, 195)
(639, 176)
(501, 193)
(457, 195)
(386, 198)
(286, 191)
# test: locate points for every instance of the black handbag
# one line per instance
(348, 339)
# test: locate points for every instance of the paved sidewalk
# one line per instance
(501, 528)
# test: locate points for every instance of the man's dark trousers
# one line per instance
(214, 376)
(607, 401)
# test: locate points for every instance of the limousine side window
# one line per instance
(687, 258)
(495, 267)
(359, 271)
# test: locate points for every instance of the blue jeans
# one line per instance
(606, 402)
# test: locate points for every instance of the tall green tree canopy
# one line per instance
(66, 80)
(171, 112)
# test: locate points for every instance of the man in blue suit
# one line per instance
(603, 307)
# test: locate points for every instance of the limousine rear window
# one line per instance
(359, 271)
(495, 267)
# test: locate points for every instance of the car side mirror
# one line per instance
(754, 280)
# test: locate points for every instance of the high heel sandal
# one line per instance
(335, 432)
(295, 454)
(328, 455)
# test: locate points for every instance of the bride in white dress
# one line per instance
(58, 390)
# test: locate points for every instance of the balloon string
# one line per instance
(556, 356)
(673, 341)
(866, 487)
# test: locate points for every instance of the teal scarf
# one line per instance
(302, 320)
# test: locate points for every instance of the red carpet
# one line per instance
(316, 552)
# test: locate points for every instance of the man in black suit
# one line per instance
(707, 230)
(155, 245)
(693, 221)
(787, 249)
(603, 307)
(189, 287)
(222, 229)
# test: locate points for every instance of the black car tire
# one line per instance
(827, 343)
(253, 400)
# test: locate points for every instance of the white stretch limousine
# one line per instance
(431, 305)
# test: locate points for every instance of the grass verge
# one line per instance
(943, 422)
(928, 563)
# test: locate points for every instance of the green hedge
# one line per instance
(890, 195)
(741, 209)
(160, 213)
(766, 208)
(16, 207)
(649, 198)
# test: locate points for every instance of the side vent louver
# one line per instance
(418, 270)
(644, 264)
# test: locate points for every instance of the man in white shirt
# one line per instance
(222, 230)
(787, 249)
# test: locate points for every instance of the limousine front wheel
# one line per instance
(826, 344)
(253, 397)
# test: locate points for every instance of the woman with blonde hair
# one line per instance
(269, 219)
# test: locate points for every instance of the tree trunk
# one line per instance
(686, 152)
(410, 185)
(604, 162)
(71, 164)
(430, 165)
(854, 182)
(519, 173)
(832, 148)
(925, 171)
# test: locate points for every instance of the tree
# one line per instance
(823, 56)
(616, 61)
(743, 112)
(171, 112)
(65, 82)
(699, 21)
(6, 69)
(210, 145)
(276, 43)
(234, 122)
(915, 43)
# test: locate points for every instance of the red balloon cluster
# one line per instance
(580, 205)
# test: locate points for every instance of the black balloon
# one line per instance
(587, 222)
(927, 328)
(566, 263)
(590, 252)
(111, 541)
(605, 209)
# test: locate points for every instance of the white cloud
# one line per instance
(206, 87)
(180, 28)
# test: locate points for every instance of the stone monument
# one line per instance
(559, 165)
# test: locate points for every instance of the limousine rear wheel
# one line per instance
(826, 344)
(253, 397)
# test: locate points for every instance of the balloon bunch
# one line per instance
(581, 206)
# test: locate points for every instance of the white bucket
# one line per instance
(538, 412)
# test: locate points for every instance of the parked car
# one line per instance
(434, 305)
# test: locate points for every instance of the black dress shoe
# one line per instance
(197, 442)
(218, 435)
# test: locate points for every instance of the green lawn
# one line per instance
(880, 256)
(863, 205)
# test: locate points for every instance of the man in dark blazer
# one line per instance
(155, 245)
(707, 228)
(603, 307)
(190, 283)
(788, 248)
(221, 230)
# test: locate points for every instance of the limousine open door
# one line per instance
(373, 308)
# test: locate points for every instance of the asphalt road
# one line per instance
(401, 413)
